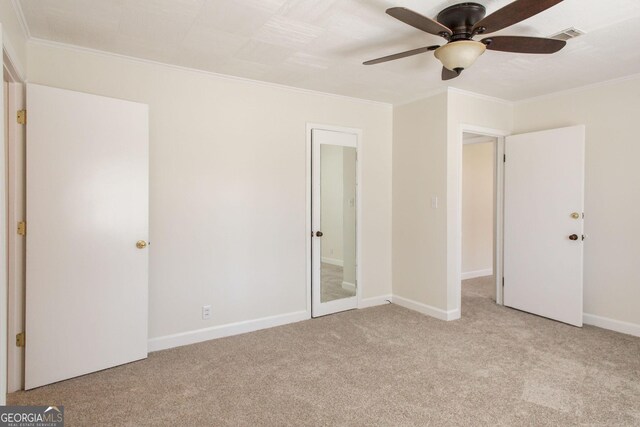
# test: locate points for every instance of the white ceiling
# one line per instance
(320, 44)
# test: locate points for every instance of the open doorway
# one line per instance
(478, 215)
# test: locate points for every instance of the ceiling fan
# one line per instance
(460, 23)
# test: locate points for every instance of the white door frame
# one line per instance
(498, 209)
(14, 243)
(308, 227)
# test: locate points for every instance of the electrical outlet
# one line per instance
(206, 312)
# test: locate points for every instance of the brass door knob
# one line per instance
(141, 244)
(573, 237)
(319, 234)
(575, 215)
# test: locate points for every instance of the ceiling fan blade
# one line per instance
(447, 74)
(513, 13)
(523, 44)
(418, 21)
(401, 55)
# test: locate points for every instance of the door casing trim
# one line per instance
(308, 193)
(15, 244)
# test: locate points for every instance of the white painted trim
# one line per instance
(577, 89)
(17, 8)
(75, 48)
(426, 95)
(478, 140)
(221, 331)
(308, 228)
(30, 39)
(375, 301)
(478, 273)
(485, 131)
(611, 324)
(348, 286)
(11, 62)
(498, 221)
(343, 304)
(3, 259)
(16, 244)
(498, 210)
(10, 69)
(333, 261)
(518, 102)
(426, 309)
(481, 96)
(17, 67)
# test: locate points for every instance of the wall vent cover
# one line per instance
(569, 33)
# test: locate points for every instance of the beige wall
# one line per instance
(612, 188)
(227, 196)
(427, 163)
(477, 207)
(420, 173)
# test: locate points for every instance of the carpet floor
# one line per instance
(384, 366)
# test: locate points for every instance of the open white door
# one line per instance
(543, 223)
(87, 208)
(334, 212)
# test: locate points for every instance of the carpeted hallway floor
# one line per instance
(383, 366)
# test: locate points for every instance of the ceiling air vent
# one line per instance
(569, 33)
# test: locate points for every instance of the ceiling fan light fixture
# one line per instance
(460, 55)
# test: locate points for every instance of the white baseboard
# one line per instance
(349, 286)
(375, 301)
(333, 261)
(426, 309)
(206, 334)
(611, 324)
(477, 273)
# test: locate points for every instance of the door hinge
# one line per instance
(22, 228)
(504, 158)
(503, 282)
(22, 117)
(20, 339)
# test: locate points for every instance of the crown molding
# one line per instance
(578, 89)
(11, 60)
(426, 95)
(481, 96)
(17, 8)
(429, 94)
(450, 89)
(48, 43)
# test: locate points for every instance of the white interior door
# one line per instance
(543, 223)
(334, 222)
(87, 207)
